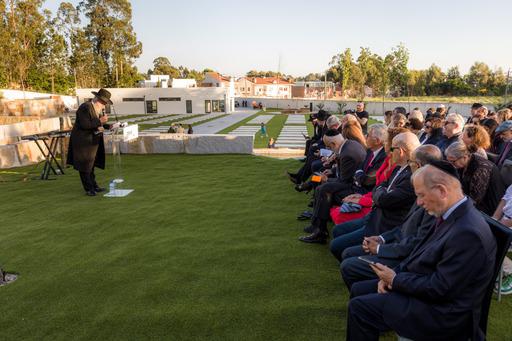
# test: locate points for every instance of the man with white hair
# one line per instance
(436, 293)
(391, 200)
(452, 131)
(416, 113)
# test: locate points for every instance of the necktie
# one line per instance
(439, 221)
(504, 154)
(369, 164)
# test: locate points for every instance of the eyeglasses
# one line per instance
(428, 127)
(453, 161)
(392, 149)
(448, 122)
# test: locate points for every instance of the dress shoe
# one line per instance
(306, 215)
(99, 189)
(311, 204)
(90, 193)
(304, 187)
(316, 237)
(292, 177)
(309, 229)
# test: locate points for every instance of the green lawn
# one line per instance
(204, 249)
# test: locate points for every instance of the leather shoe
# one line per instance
(90, 193)
(309, 229)
(99, 189)
(306, 215)
(311, 204)
(316, 237)
(292, 177)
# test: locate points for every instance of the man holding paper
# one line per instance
(86, 149)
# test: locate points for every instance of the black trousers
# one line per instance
(327, 195)
(365, 312)
(88, 180)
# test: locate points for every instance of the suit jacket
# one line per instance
(445, 142)
(440, 286)
(370, 166)
(401, 240)
(391, 203)
(351, 156)
(86, 149)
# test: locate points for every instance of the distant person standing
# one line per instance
(190, 130)
(362, 117)
(263, 130)
(86, 147)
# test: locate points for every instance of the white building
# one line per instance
(130, 101)
(183, 83)
(155, 81)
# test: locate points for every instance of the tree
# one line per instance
(162, 66)
(478, 78)
(114, 42)
(434, 77)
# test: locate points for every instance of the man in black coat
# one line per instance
(350, 154)
(86, 149)
(393, 246)
(435, 293)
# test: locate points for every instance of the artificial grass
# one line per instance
(205, 248)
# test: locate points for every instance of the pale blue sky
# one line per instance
(234, 37)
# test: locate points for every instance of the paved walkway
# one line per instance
(291, 137)
(213, 127)
(296, 119)
(261, 119)
(245, 130)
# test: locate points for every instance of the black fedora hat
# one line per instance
(103, 95)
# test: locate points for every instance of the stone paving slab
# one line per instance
(214, 126)
(291, 136)
(245, 130)
(296, 119)
(261, 119)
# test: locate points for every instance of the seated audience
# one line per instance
(480, 178)
(365, 200)
(387, 117)
(398, 121)
(477, 139)
(504, 115)
(503, 214)
(350, 155)
(433, 131)
(415, 126)
(393, 246)
(391, 200)
(417, 114)
(352, 131)
(452, 131)
(437, 291)
(505, 132)
(473, 113)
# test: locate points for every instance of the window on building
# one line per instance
(169, 99)
(248, 88)
(151, 107)
(215, 106)
(207, 106)
(222, 106)
(189, 106)
(133, 99)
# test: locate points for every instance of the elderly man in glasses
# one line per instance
(452, 131)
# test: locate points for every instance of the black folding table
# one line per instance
(51, 141)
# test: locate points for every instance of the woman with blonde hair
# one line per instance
(352, 131)
(476, 139)
(504, 115)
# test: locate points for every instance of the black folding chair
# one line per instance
(503, 236)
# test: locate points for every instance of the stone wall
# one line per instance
(184, 143)
(373, 108)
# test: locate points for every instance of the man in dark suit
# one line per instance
(391, 200)
(436, 292)
(86, 149)
(393, 246)
(452, 131)
(350, 154)
(505, 131)
(365, 176)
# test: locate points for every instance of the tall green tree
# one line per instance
(113, 39)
